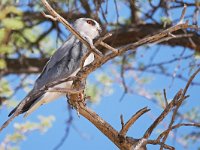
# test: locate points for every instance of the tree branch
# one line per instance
(132, 120)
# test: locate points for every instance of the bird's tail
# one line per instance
(22, 107)
(36, 103)
(27, 105)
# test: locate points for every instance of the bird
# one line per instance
(64, 63)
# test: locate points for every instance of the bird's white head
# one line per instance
(88, 27)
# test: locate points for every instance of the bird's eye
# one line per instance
(91, 22)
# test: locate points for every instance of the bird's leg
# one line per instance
(75, 99)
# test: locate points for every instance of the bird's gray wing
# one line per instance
(65, 61)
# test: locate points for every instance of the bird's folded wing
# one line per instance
(65, 61)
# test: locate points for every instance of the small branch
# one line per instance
(122, 70)
(170, 37)
(156, 142)
(132, 120)
(177, 107)
(177, 126)
(186, 124)
(183, 14)
(162, 115)
(108, 47)
(122, 121)
(190, 81)
(49, 16)
(165, 97)
(177, 101)
(101, 124)
(65, 90)
(107, 35)
(105, 45)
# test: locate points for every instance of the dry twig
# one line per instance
(132, 120)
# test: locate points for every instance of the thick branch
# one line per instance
(123, 37)
(102, 125)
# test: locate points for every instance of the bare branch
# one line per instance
(165, 98)
(122, 121)
(183, 14)
(162, 115)
(49, 16)
(64, 90)
(190, 81)
(177, 126)
(176, 102)
(103, 126)
(132, 120)
(107, 35)
(177, 107)
(156, 142)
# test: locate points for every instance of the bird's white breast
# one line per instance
(89, 59)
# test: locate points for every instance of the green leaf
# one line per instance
(197, 55)
(12, 23)
(30, 35)
(166, 20)
(16, 137)
(10, 9)
(2, 64)
(6, 49)
(5, 89)
(2, 34)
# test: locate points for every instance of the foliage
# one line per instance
(22, 130)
